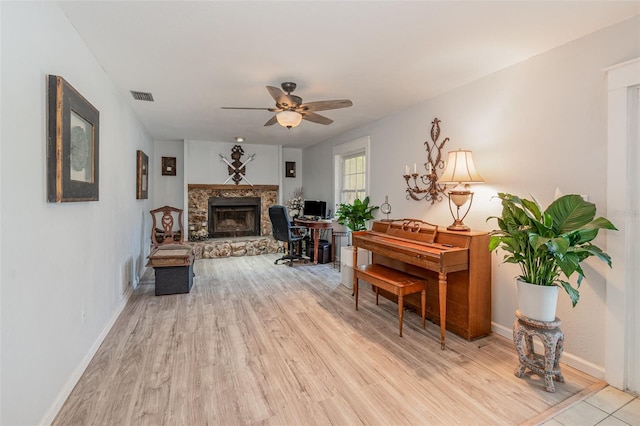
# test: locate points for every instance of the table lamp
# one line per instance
(460, 171)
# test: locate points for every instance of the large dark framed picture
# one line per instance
(72, 144)
(168, 166)
(142, 176)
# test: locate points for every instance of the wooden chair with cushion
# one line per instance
(171, 259)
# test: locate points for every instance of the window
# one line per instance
(353, 178)
(351, 170)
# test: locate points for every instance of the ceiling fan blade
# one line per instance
(316, 118)
(273, 120)
(326, 105)
(261, 109)
(275, 92)
(283, 100)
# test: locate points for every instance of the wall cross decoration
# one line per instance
(237, 169)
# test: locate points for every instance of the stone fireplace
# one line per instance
(234, 217)
(201, 195)
(237, 217)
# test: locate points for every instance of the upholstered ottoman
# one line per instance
(173, 266)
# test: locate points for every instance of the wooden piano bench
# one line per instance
(394, 281)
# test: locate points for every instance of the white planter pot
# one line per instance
(339, 228)
(537, 301)
(346, 263)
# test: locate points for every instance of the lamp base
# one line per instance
(457, 225)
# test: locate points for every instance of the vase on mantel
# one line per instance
(538, 302)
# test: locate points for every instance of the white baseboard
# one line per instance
(567, 357)
(52, 412)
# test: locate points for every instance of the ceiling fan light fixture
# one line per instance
(289, 119)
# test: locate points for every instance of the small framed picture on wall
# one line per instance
(168, 166)
(290, 169)
(142, 179)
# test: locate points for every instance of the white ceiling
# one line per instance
(386, 56)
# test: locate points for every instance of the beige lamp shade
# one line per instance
(289, 119)
(460, 169)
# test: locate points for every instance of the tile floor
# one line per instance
(608, 407)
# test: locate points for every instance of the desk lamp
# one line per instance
(460, 171)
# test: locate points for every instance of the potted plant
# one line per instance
(354, 216)
(549, 246)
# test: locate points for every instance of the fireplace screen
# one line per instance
(234, 216)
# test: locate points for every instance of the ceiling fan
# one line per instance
(291, 111)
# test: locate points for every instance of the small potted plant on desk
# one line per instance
(354, 216)
(548, 246)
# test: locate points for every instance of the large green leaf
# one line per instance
(573, 293)
(570, 212)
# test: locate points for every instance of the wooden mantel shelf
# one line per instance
(238, 187)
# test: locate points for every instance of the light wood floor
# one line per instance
(256, 343)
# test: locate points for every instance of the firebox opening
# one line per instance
(234, 217)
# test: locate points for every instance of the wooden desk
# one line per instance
(315, 226)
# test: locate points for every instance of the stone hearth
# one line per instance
(247, 246)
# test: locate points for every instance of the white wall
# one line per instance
(167, 190)
(64, 266)
(317, 176)
(290, 184)
(206, 166)
(199, 162)
(622, 317)
(533, 127)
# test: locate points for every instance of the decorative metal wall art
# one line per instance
(432, 191)
(237, 169)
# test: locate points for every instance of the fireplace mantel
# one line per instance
(199, 194)
(232, 187)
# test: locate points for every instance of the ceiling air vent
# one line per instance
(142, 96)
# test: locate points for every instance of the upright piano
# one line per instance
(456, 265)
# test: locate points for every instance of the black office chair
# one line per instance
(284, 231)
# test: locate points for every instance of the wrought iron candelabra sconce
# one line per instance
(430, 190)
